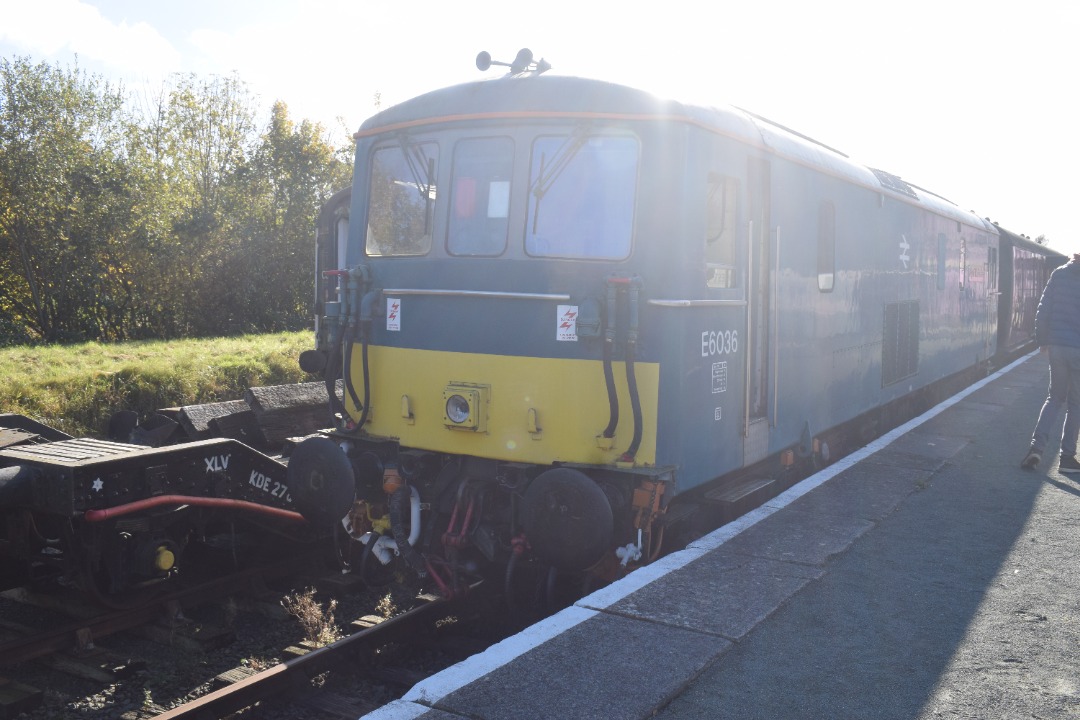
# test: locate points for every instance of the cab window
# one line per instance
(402, 198)
(581, 196)
(480, 196)
(721, 206)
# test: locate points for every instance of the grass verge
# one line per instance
(77, 388)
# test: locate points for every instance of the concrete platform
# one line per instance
(924, 576)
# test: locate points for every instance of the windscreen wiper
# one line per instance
(419, 166)
(548, 174)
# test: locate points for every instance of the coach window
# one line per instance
(402, 199)
(826, 246)
(480, 196)
(963, 263)
(992, 269)
(581, 196)
(942, 260)
(721, 209)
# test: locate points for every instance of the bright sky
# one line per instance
(975, 100)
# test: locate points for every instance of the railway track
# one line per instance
(82, 631)
(293, 678)
(92, 666)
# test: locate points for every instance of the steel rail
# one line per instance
(296, 673)
(66, 636)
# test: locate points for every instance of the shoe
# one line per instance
(1031, 460)
(1068, 464)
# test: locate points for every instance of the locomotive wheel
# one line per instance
(567, 519)
(372, 572)
(357, 558)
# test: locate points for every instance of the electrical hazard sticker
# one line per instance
(566, 329)
(393, 314)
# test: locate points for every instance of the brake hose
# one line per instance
(610, 313)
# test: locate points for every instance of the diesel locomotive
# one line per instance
(556, 317)
(559, 304)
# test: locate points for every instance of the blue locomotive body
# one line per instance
(554, 288)
(782, 286)
(850, 289)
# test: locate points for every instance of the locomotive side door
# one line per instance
(759, 264)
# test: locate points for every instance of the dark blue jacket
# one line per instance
(1057, 321)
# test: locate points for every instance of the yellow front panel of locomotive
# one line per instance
(519, 409)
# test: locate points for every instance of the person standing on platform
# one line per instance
(1057, 331)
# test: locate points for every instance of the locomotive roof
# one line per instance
(552, 96)
(548, 96)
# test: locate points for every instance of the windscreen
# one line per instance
(400, 208)
(581, 196)
(552, 195)
(480, 196)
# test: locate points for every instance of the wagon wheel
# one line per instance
(94, 580)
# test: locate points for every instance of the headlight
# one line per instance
(465, 406)
(457, 409)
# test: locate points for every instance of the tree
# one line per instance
(181, 220)
(292, 171)
(63, 201)
(192, 151)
